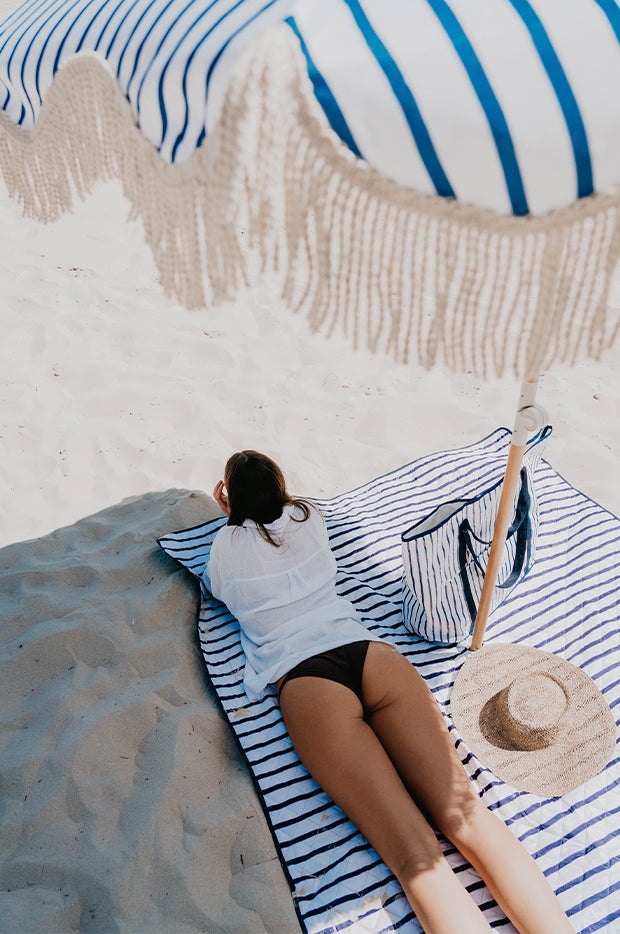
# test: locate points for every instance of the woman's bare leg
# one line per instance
(408, 722)
(326, 725)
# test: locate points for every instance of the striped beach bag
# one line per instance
(445, 554)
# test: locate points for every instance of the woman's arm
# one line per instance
(210, 575)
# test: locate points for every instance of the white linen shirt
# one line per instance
(284, 598)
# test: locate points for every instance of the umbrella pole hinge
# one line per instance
(531, 417)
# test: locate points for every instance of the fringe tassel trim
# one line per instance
(274, 190)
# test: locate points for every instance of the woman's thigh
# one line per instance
(407, 720)
(325, 721)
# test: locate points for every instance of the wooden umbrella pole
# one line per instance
(527, 419)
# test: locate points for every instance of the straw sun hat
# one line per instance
(535, 720)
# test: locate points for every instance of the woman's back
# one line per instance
(284, 596)
(256, 578)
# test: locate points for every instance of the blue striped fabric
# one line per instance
(568, 604)
(435, 603)
(564, 94)
(172, 58)
(506, 105)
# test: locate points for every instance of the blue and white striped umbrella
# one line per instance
(503, 105)
(397, 164)
(171, 58)
(507, 105)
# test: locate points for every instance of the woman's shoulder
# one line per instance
(222, 539)
(309, 516)
(303, 512)
(304, 508)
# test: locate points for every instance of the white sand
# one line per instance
(110, 390)
(126, 806)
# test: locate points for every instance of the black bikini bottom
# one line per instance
(343, 665)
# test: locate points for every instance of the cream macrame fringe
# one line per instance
(273, 190)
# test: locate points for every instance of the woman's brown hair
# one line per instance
(257, 490)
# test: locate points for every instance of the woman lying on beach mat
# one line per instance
(359, 715)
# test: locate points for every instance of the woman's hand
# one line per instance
(221, 498)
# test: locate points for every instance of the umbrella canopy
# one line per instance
(366, 151)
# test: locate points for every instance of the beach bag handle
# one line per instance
(521, 525)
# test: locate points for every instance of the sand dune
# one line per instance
(126, 804)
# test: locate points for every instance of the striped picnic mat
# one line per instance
(567, 604)
(506, 105)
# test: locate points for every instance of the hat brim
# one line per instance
(584, 747)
